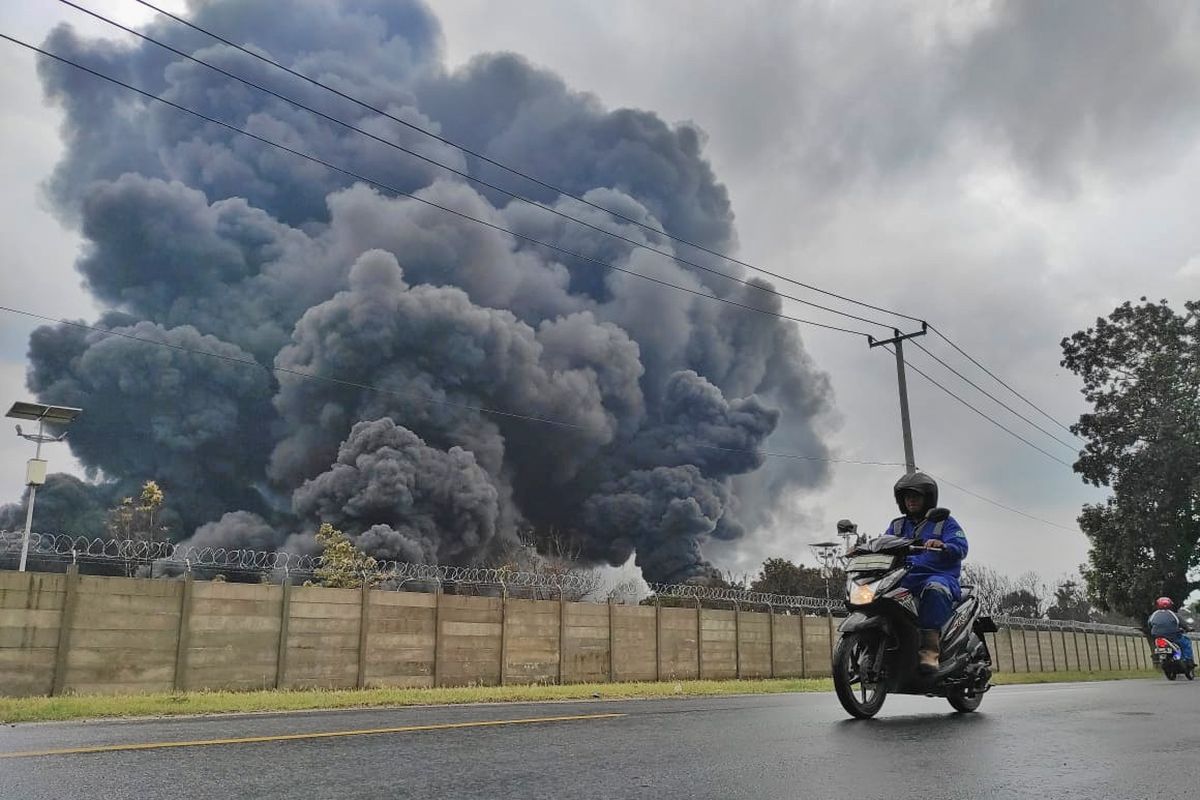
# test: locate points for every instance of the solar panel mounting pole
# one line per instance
(35, 470)
(910, 460)
(32, 496)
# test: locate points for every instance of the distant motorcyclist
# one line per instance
(933, 579)
(1165, 623)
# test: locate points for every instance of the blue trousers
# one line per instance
(935, 602)
(1185, 645)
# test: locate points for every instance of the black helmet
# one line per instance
(916, 482)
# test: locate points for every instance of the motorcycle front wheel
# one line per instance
(860, 698)
(962, 703)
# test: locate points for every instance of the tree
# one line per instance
(1070, 602)
(1141, 375)
(780, 576)
(988, 584)
(344, 566)
(1020, 603)
(140, 519)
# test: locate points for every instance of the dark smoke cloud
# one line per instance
(203, 240)
(238, 530)
(65, 505)
(405, 500)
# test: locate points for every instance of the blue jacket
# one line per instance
(942, 566)
(1165, 622)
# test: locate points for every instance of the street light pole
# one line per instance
(37, 457)
(910, 460)
(35, 468)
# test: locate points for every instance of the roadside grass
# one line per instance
(77, 707)
(1011, 678)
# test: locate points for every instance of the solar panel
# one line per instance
(60, 415)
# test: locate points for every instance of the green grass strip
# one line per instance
(75, 707)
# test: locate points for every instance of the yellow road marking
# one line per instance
(290, 737)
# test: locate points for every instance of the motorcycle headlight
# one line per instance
(862, 594)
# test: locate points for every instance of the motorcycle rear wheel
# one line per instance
(1170, 673)
(860, 699)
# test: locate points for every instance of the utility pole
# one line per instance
(910, 461)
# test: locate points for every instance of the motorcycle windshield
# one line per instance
(883, 544)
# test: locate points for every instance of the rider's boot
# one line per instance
(931, 646)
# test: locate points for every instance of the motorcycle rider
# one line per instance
(934, 574)
(1165, 623)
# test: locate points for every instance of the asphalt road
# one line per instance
(1129, 739)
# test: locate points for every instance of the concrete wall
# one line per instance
(83, 634)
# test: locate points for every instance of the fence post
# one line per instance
(612, 643)
(829, 617)
(699, 641)
(657, 640)
(562, 635)
(771, 639)
(737, 640)
(1037, 637)
(66, 620)
(285, 613)
(184, 640)
(1012, 651)
(437, 634)
(364, 627)
(504, 635)
(803, 647)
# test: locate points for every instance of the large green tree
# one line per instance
(780, 576)
(1141, 374)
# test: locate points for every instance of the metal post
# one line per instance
(897, 341)
(699, 640)
(29, 511)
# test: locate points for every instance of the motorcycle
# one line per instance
(1169, 656)
(876, 652)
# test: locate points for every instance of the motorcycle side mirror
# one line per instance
(937, 514)
(846, 526)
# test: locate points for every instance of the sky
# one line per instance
(1007, 171)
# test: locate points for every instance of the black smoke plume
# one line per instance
(201, 239)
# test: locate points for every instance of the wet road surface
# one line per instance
(1127, 739)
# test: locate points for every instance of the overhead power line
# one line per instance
(578, 221)
(992, 397)
(559, 424)
(514, 171)
(651, 228)
(425, 201)
(769, 290)
(998, 504)
(1000, 380)
(983, 414)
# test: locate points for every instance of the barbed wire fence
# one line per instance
(156, 559)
